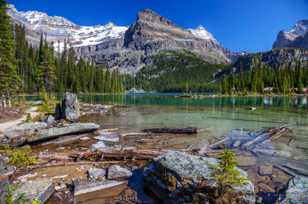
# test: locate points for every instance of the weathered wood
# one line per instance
(96, 192)
(188, 130)
(220, 143)
(64, 163)
(267, 135)
(120, 154)
(285, 170)
(55, 157)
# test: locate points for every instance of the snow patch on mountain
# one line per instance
(202, 33)
(299, 30)
(59, 29)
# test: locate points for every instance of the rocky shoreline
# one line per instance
(84, 163)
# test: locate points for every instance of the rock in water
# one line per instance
(177, 177)
(70, 109)
(297, 191)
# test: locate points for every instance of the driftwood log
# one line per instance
(188, 130)
(118, 154)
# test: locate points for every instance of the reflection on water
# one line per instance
(216, 115)
(172, 99)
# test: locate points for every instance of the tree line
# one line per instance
(28, 69)
(261, 78)
(178, 71)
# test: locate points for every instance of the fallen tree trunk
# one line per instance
(187, 130)
(33, 133)
(54, 157)
(119, 154)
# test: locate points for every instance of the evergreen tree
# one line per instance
(8, 73)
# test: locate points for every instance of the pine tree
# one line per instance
(9, 80)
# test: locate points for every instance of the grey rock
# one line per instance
(50, 120)
(71, 105)
(118, 172)
(297, 191)
(39, 190)
(69, 108)
(99, 146)
(266, 170)
(96, 174)
(176, 172)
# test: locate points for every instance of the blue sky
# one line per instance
(240, 25)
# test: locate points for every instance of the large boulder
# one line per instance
(177, 177)
(297, 191)
(69, 109)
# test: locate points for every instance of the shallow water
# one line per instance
(216, 116)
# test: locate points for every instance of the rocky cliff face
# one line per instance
(127, 49)
(297, 37)
(150, 34)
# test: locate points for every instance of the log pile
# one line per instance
(250, 140)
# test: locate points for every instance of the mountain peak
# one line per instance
(149, 15)
(202, 33)
(296, 37)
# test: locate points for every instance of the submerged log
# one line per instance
(188, 130)
(265, 136)
(249, 141)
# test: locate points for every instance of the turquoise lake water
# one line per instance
(217, 116)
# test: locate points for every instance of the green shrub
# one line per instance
(48, 103)
(20, 157)
(28, 118)
(227, 175)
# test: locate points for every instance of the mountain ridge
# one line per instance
(120, 47)
(297, 37)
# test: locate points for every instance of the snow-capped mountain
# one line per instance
(296, 37)
(201, 32)
(59, 29)
(125, 48)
